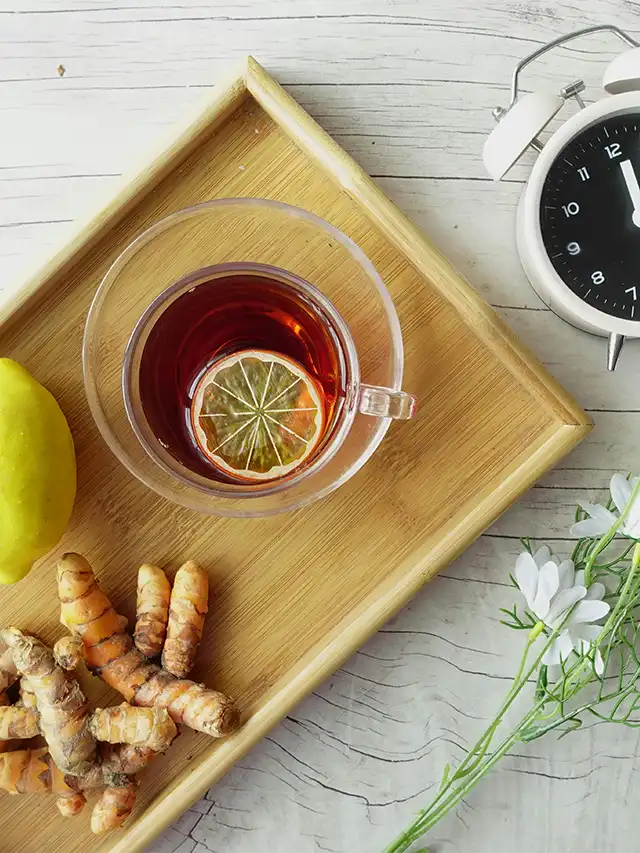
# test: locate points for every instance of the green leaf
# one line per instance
(445, 775)
(572, 724)
(541, 684)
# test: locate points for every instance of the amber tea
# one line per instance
(242, 376)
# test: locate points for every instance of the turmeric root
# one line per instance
(61, 704)
(8, 670)
(124, 758)
(69, 652)
(18, 722)
(187, 611)
(62, 716)
(144, 727)
(32, 771)
(114, 762)
(154, 592)
(70, 805)
(27, 697)
(87, 612)
(4, 701)
(114, 807)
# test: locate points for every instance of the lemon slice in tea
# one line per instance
(257, 415)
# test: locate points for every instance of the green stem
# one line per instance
(476, 763)
(431, 816)
(471, 775)
(609, 536)
(608, 629)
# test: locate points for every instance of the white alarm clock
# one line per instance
(578, 228)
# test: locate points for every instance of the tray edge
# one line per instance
(108, 209)
(410, 240)
(325, 659)
(572, 424)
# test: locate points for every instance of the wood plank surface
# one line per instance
(407, 88)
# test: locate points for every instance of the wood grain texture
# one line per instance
(279, 632)
(406, 88)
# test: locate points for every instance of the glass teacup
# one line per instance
(240, 279)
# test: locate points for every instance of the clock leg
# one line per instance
(614, 349)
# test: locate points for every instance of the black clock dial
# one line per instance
(590, 215)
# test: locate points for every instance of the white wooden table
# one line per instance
(407, 87)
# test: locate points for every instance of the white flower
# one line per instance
(602, 519)
(551, 588)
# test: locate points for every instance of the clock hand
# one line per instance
(634, 189)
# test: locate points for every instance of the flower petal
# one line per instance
(562, 602)
(554, 673)
(581, 646)
(624, 489)
(598, 511)
(542, 556)
(588, 633)
(620, 491)
(588, 611)
(631, 527)
(552, 655)
(589, 527)
(566, 574)
(559, 650)
(598, 663)
(579, 578)
(549, 579)
(548, 582)
(540, 606)
(595, 592)
(526, 575)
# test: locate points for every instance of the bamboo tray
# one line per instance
(292, 596)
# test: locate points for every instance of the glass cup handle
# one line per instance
(386, 403)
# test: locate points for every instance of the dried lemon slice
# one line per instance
(257, 415)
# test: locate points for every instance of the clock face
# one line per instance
(590, 215)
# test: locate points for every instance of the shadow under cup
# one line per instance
(253, 234)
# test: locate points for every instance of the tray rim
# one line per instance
(252, 80)
(568, 422)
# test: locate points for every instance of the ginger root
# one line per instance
(87, 612)
(27, 696)
(4, 701)
(114, 807)
(69, 652)
(60, 702)
(8, 670)
(187, 612)
(105, 749)
(16, 722)
(124, 758)
(70, 805)
(61, 714)
(152, 728)
(152, 613)
(33, 771)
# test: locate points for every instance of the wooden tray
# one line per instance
(292, 596)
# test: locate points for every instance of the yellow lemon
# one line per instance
(37, 471)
